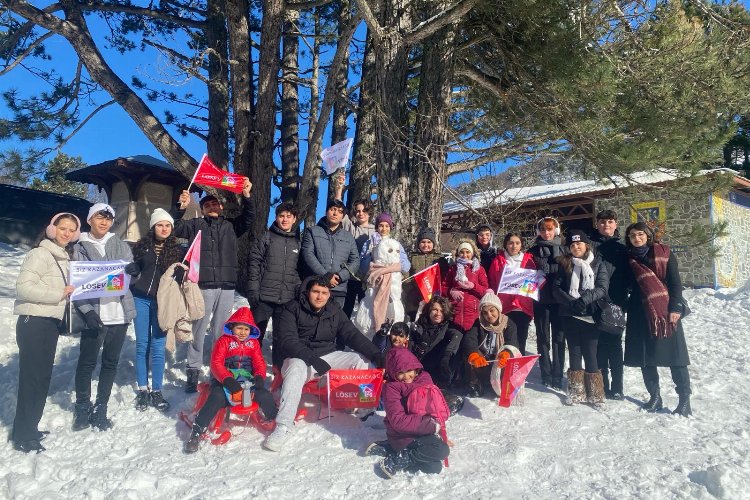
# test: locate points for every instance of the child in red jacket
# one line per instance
(236, 355)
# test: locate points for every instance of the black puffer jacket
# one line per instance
(602, 272)
(325, 251)
(306, 334)
(146, 284)
(218, 244)
(545, 257)
(273, 266)
(613, 251)
(435, 346)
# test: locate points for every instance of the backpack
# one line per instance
(429, 400)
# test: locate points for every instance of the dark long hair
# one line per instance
(171, 253)
(566, 261)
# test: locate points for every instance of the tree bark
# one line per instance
(363, 156)
(309, 189)
(290, 110)
(341, 74)
(218, 87)
(241, 73)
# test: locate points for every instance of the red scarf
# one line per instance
(651, 279)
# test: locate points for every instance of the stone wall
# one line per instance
(732, 265)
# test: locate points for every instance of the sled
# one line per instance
(219, 431)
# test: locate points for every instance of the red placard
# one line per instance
(354, 388)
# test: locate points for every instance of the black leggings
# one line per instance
(428, 452)
(582, 339)
(549, 337)
(518, 329)
(217, 400)
(108, 340)
(37, 341)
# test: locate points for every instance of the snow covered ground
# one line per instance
(539, 450)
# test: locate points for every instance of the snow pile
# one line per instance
(539, 450)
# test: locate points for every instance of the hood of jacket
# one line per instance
(244, 316)
(324, 224)
(400, 360)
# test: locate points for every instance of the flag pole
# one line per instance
(196, 172)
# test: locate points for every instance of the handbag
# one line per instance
(609, 317)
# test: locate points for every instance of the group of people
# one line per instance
(309, 286)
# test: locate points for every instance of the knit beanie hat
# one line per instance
(100, 208)
(577, 235)
(426, 234)
(160, 215)
(491, 299)
(385, 217)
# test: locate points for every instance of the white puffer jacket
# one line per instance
(40, 284)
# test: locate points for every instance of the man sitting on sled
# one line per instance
(236, 356)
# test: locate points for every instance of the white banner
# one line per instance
(94, 279)
(518, 281)
(336, 156)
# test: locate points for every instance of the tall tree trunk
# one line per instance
(290, 109)
(309, 192)
(218, 87)
(363, 157)
(431, 130)
(262, 167)
(341, 74)
(240, 70)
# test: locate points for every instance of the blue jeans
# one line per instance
(149, 343)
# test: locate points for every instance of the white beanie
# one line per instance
(490, 299)
(99, 207)
(159, 215)
(466, 246)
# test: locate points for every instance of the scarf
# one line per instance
(582, 275)
(461, 265)
(513, 261)
(381, 299)
(639, 253)
(495, 337)
(654, 294)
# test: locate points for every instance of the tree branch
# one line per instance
(438, 21)
(141, 11)
(376, 30)
(306, 5)
(85, 120)
(26, 52)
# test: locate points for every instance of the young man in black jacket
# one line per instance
(217, 278)
(606, 241)
(306, 339)
(273, 267)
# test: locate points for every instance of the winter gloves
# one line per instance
(179, 275)
(133, 269)
(320, 366)
(231, 385)
(578, 307)
(457, 295)
(477, 360)
(93, 321)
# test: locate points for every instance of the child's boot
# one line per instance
(395, 462)
(194, 442)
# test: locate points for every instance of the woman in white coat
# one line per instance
(42, 292)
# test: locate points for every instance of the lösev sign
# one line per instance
(95, 279)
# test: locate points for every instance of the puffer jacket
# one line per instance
(114, 249)
(612, 250)
(602, 272)
(229, 353)
(273, 266)
(401, 427)
(306, 334)
(146, 284)
(218, 244)
(435, 346)
(40, 284)
(325, 251)
(545, 255)
(466, 311)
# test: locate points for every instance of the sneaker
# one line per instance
(158, 401)
(275, 441)
(28, 446)
(378, 449)
(141, 400)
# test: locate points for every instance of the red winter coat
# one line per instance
(512, 302)
(401, 427)
(465, 312)
(231, 353)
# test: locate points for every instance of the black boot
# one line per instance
(655, 403)
(395, 462)
(28, 446)
(194, 441)
(683, 407)
(141, 400)
(158, 401)
(81, 416)
(379, 449)
(193, 375)
(99, 418)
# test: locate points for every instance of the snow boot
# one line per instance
(193, 375)
(655, 403)
(158, 401)
(576, 390)
(379, 449)
(683, 407)
(141, 400)
(194, 442)
(594, 389)
(28, 446)
(395, 462)
(81, 416)
(98, 417)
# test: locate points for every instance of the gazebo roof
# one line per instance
(139, 166)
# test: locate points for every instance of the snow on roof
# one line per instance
(483, 199)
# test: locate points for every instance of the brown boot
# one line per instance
(594, 389)
(576, 391)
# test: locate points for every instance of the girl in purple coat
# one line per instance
(413, 442)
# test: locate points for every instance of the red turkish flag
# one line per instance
(209, 174)
(428, 280)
